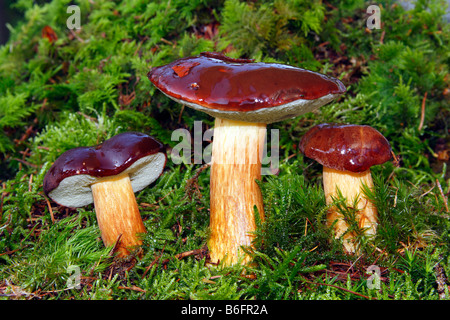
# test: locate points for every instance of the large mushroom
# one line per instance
(346, 153)
(108, 175)
(243, 97)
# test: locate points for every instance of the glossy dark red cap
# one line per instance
(112, 157)
(350, 147)
(215, 81)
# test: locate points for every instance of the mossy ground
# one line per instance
(66, 88)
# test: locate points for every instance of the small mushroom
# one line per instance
(108, 175)
(347, 152)
(244, 97)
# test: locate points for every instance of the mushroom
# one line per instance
(243, 97)
(347, 152)
(108, 175)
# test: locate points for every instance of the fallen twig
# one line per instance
(442, 194)
(343, 289)
(10, 252)
(422, 115)
(133, 288)
(192, 183)
(50, 210)
(177, 256)
(26, 163)
(153, 263)
(188, 253)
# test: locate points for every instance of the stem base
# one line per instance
(236, 164)
(350, 185)
(118, 213)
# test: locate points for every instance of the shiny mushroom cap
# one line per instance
(240, 89)
(350, 147)
(68, 181)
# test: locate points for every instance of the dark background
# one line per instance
(7, 15)
(3, 29)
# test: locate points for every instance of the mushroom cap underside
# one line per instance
(240, 89)
(68, 181)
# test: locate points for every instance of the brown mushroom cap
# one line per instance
(350, 147)
(68, 181)
(240, 89)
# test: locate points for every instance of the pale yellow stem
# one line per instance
(118, 213)
(235, 167)
(350, 185)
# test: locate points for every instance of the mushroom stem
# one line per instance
(118, 213)
(235, 167)
(350, 186)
